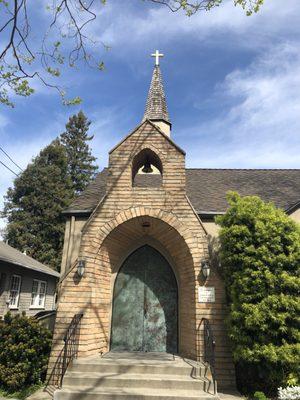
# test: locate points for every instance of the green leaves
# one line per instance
(81, 166)
(33, 206)
(72, 102)
(24, 351)
(260, 255)
(53, 71)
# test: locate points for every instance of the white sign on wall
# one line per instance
(206, 294)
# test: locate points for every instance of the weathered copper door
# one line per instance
(145, 304)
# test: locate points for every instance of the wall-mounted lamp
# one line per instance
(205, 269)
(80, 267)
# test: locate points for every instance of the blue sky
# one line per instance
(232, 84)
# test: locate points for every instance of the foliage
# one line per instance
(80, 161)
(260, 256)
(259, 396)
(65, 42)
(21, 394)
(24, 351)
(33, 206)
(289, 393)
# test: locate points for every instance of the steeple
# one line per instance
(156, 105)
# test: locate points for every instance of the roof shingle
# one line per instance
(14, 256)
(156, 105)
(207, 188)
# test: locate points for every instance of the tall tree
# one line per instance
(80, 160)
(260, 254)
(33, 206)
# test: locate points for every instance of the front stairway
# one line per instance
(136, 376)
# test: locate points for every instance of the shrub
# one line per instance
(260, 257)
(24, 352)
(259, 396)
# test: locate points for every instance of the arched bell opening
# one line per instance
(147, 169)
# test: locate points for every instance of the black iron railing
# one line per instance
(208, 352)
(68, 353)
(71, 343)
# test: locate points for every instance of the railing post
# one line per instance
(64, 364)
(209, 348)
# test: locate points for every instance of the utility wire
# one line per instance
(8, 156)
(52, 195)
(47, 192)
(8, 168)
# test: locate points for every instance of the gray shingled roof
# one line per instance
(14, 256)
(207, 188)
(156, 105)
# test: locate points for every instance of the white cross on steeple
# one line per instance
(157, 54)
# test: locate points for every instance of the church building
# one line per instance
(137, 265)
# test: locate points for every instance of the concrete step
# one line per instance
(126, 376)
(121, 367)
(69, 393)
(130, 380)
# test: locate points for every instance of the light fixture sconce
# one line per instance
(80, 267)
(205, 268)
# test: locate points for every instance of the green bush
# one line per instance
(259, 396)
(260, 258)
(24, 352)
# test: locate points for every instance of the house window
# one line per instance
(38, 294)
(14, 292)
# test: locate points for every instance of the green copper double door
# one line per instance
(145, 304)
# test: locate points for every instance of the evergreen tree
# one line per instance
(33, 207)
(80, 160)
(260, 255)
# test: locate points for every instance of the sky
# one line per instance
(232, 84)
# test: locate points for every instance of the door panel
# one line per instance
(145, 304)
(128, 307)
(160, 323)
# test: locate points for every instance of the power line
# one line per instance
(47, 192)
(8, 168)
(8, 156)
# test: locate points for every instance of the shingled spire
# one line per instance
(156, 105)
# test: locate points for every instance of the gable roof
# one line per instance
(207, 188)
(153, 126)
(14, 256)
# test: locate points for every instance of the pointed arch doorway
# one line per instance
(145, 304)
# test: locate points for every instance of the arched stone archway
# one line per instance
(115, 241)
(139, 212)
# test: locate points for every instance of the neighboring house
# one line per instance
(25, 284)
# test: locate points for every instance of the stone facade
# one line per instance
(125, 219)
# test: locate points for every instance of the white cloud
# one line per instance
(262, 126)
(126, 27)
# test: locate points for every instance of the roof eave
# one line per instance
(158, 130)
(293, 208)
(79, 213)
(37, 269)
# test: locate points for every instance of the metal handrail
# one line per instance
(67, 354)
(209, 348)
(70, 350)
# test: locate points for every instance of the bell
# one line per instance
(147, 168)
